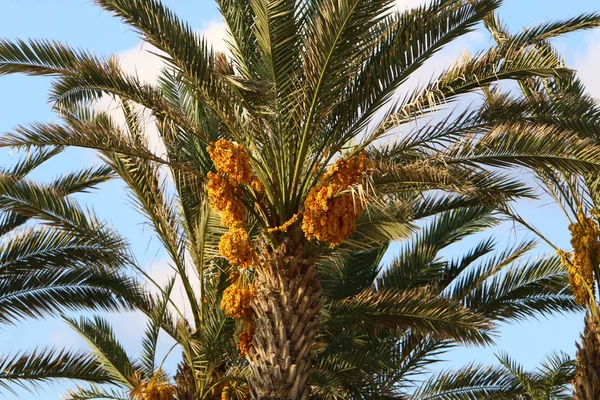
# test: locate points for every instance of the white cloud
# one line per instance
(215, 33)
(407, 4)
(588, 65)
(144, 62)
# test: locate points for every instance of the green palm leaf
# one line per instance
(43, 366)
(109, 353)
(417, 310)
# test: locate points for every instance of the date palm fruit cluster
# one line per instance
(155, 389)
(233, 391)
(586, 254)
(233, 165)
(330, 210)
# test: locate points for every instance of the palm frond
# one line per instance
(45, 365)
(467, 76)
(549, 30)
(77, 182)
(347, 273)
(31, 162)
(418, 310)
(109, 353)
(418, 263)
(472, 382)
(404, 43)
(239, 18)
(150, 339)
(39, 57)
(35, 201)
(96, 392)
(540, 287)
(45, 272)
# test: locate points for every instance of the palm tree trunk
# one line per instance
(586, 385)
(286, 321)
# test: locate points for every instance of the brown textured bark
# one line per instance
(586, 385)
(286, 318)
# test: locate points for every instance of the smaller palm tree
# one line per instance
(563, 103)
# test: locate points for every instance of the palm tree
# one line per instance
(365, 349)
(577, 194)
(69, 261)
(284, 139)
(578, 197)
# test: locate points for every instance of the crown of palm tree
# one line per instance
(310, 87)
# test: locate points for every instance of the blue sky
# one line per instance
(81, 24)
